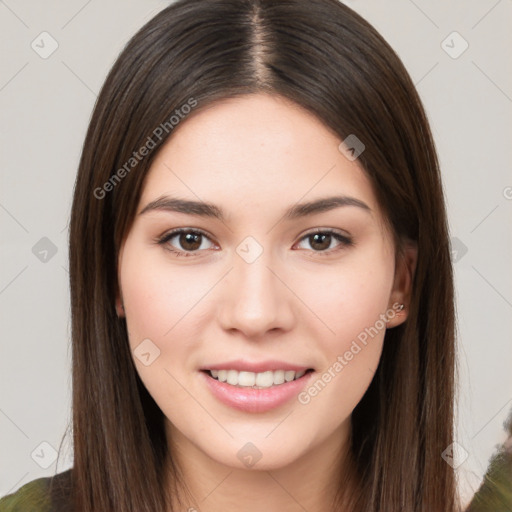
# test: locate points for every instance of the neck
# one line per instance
(311, 482)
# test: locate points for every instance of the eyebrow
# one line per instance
(204, 209)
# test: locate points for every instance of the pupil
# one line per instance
(189, 241)
(323, 237)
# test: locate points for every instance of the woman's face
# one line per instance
(265, 280)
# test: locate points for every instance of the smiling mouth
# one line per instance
(261, 380)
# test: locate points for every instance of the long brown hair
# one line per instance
(326, 58)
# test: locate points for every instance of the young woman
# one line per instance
(261, 285)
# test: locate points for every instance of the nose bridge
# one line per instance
(256, 300)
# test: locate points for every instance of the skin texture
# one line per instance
(299, 301)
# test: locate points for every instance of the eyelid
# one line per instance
(333, 231)
(163, 239)
(344, 240)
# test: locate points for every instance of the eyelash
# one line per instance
(345, 241)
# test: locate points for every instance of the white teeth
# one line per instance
(246, 379)
(232, 377)
(265, 379)
(279, 377)
(256, 380)
(289, 375)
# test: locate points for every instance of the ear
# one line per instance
(405, 267)
(119, 306)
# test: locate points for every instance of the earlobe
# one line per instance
(400, 297)
(119, 307)
(119, 300)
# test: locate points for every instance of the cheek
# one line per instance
(351, 297)
(344, 306)
(157, 302)
(161, 314)
(352, 305)
(162, 309)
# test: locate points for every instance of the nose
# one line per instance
(256, 299)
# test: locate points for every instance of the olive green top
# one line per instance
(46, 494)
(494, 495)
(31, 497)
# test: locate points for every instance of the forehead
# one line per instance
(252, 153)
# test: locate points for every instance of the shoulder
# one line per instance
(31, 497)
(495, 493)
(46, 494)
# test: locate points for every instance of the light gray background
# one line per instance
(46, 104)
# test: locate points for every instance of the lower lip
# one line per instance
(255, 400)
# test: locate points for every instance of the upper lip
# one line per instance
(256, 366)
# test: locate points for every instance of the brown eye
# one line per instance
(190, 241)
(187, 242)
(322, 240)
